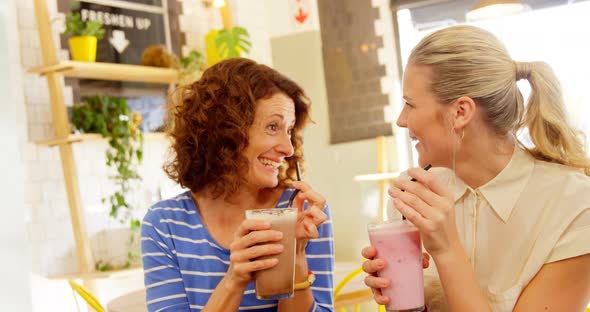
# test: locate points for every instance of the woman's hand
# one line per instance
(429, 205)
(373, 266)
(252, 240)
(308, 220)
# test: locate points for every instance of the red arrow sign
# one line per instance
(301, 17)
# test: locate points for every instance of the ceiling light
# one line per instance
(488, 9)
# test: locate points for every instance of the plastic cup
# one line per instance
(277, 282)
(399, 244)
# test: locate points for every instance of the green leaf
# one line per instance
(233, 42)
(76, 27)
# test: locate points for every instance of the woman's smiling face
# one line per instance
(269, 140)
(424, 117)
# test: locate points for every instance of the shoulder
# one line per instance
(179, 207)
(569, 184)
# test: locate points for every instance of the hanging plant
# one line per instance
(112, 118)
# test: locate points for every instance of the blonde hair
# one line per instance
(469, 61)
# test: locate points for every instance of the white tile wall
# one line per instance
(52, 243)
(46, 208)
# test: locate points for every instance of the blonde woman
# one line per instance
(507, 225)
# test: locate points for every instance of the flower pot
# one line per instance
(83, 48)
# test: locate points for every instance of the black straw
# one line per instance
(298, 170)
(414, 180)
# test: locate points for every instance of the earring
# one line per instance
(462, 134)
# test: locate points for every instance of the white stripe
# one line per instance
(327, 222)
(323, 272)
(258, 307)
(173, 209)
(200, 290)
(174, 280)
(166, 298)
(323, 239)
(283, 202)
(186, 239)
(183, 255)
(152, 254)
(181, 197)
(250, 292)
(322, 288)
(194, 306)
(328, 256)
(155, 241)
(196, 226)
(325, 305)
(202, 273)
(158, 268)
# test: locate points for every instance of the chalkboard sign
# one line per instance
(128, 31)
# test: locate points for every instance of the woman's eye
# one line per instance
(272, 127)
(408, 105)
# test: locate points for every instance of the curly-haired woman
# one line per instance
(236, 137)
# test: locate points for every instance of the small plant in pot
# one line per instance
(85, 36)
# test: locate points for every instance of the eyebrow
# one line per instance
(407, 98)
(282, 118)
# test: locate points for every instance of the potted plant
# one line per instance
(112, 118)
(226, 43)
(85, 36)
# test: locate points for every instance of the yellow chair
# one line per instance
(88, 297)
(343, 283)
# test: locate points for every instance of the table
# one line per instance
(354, 292)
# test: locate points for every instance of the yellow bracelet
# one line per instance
(307, 283)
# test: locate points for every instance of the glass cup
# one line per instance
(399, 244)
(278, 281)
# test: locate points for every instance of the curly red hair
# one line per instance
(209, 122)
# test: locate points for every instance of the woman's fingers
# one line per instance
(376, 283)
(306, 193)
(373, 266)
(255, 252)
(250, 225)
(369, 252)
(245, 268)
(254, 238)
(425, 260)
(429, 180)
(413, 201)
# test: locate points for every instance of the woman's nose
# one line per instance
(285, 146)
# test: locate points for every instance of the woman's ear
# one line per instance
(463, 110)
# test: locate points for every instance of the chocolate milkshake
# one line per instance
(277, 282)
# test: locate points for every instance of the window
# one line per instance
(556, 35)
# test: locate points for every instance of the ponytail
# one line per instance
(545, 118)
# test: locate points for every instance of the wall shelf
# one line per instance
(73, 138)
(110, 71)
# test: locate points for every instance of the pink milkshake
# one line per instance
(399, 244)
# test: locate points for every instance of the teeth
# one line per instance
(270, 163)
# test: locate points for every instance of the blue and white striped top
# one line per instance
(183, 264)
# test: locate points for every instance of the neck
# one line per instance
(232, 209)
(481, 158)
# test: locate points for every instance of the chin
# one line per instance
(269, 183)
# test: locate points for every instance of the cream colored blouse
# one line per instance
(532, 213)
